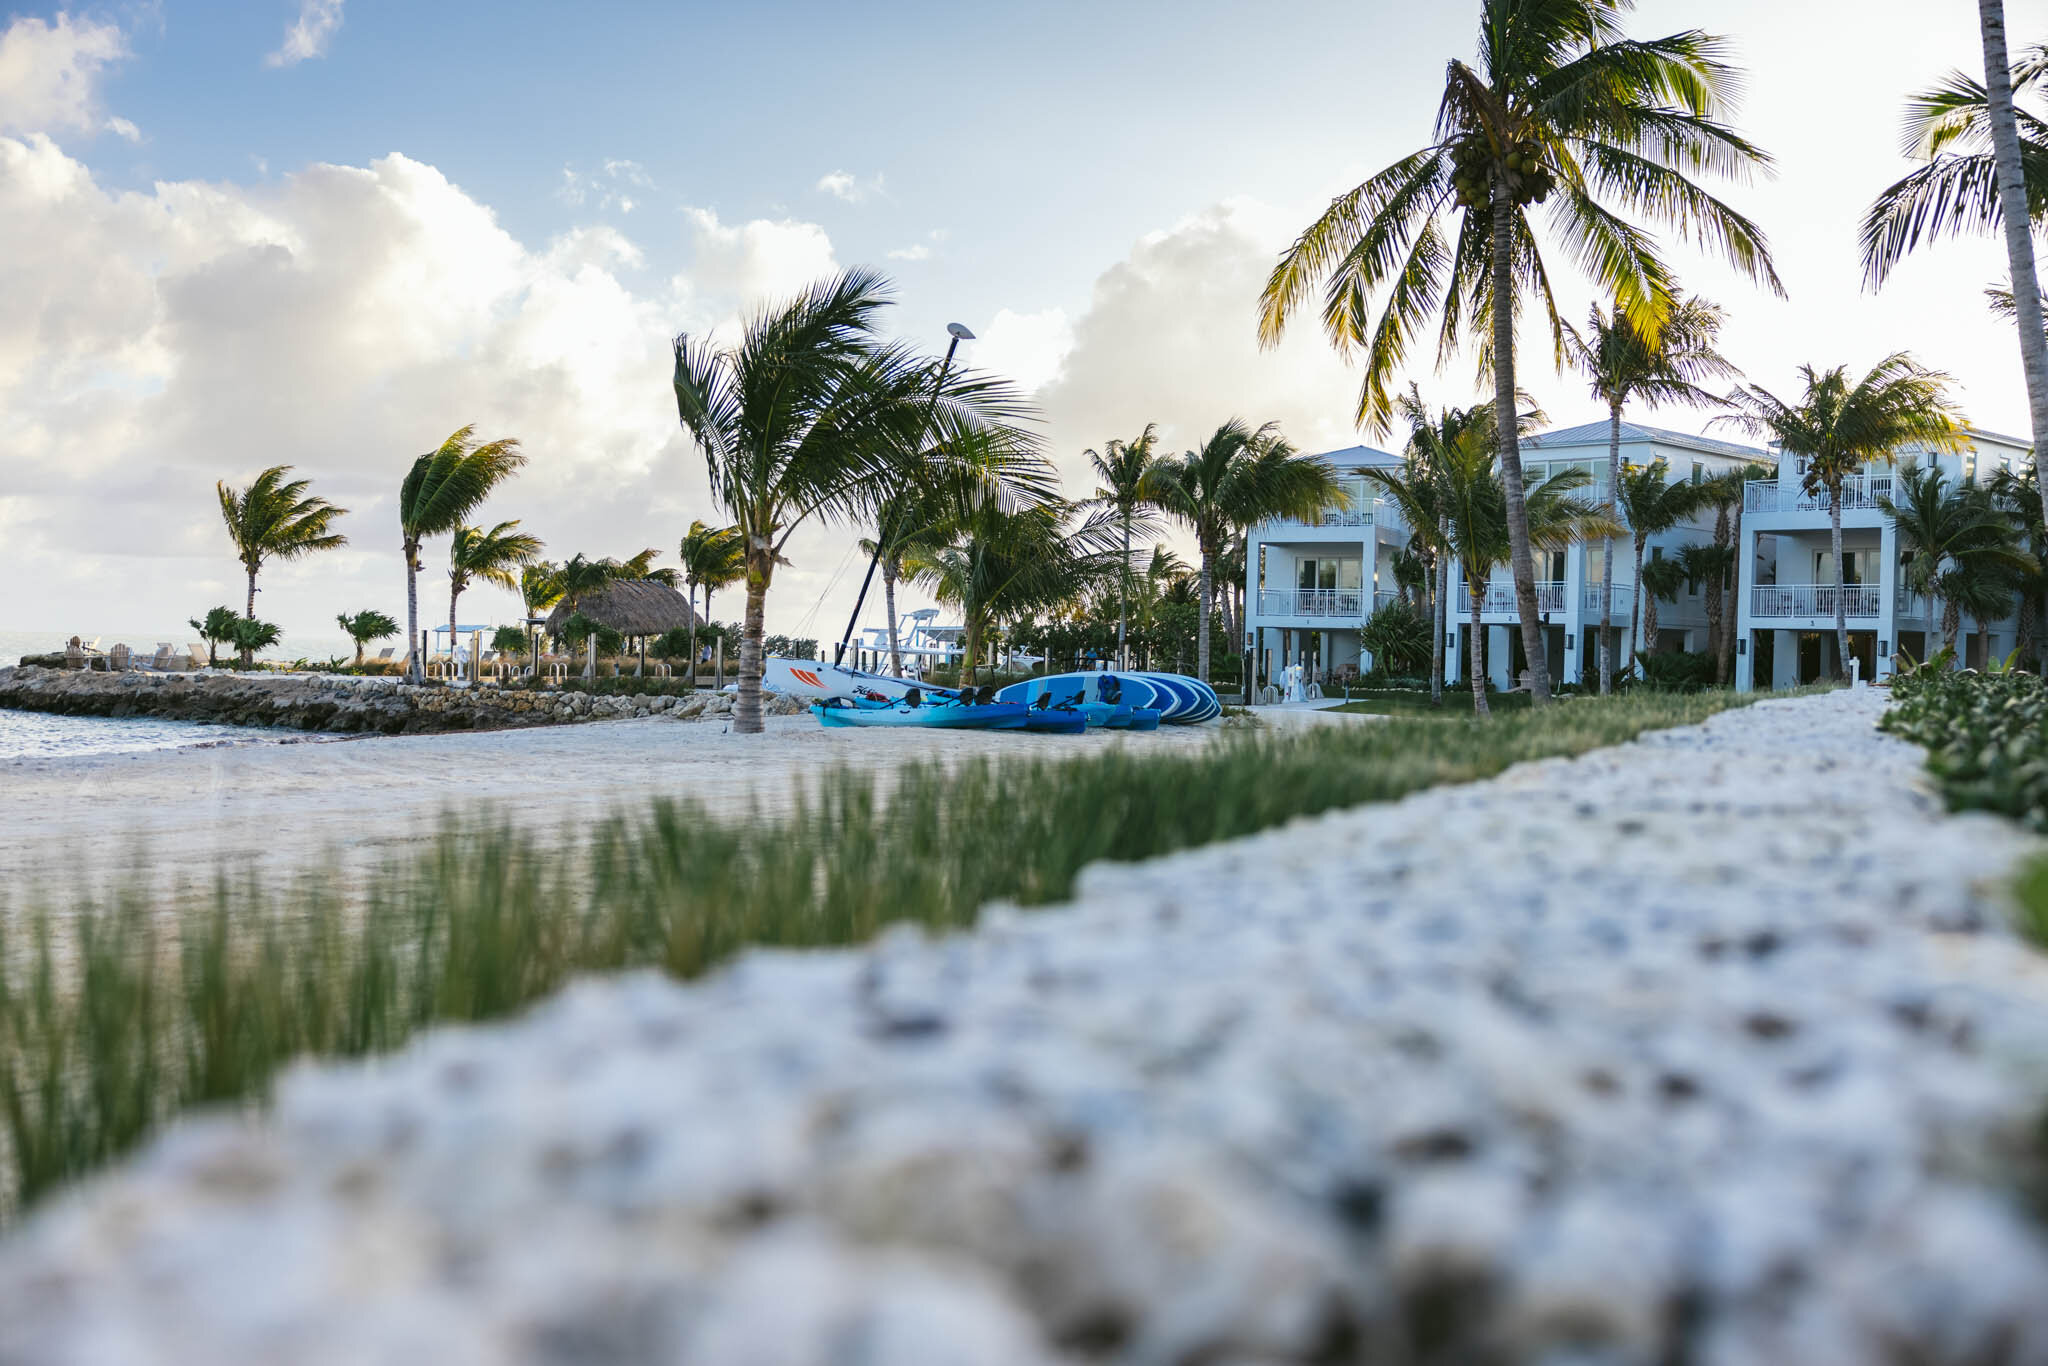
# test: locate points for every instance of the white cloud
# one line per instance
(342, 319)
(916, 252)
(50, 74)
(1025, 348)
(309, 34)
(601, 187)
(849, 187)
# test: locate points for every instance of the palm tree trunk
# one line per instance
(746, 708)
(1607, 554)
(1951, 623)
(248, 655)
(1715, 617)
(1520, 562)
(1841, 598)
(454, 592)
(1638, 605)
(1649, 612)
(1478, 644)
(1202, 617)
(889, 606)
(2019, 245)
(1438, 620)
(412, 610)
(1733, 607)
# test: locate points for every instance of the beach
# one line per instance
(291, 807)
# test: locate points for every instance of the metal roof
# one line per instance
(1596, 434)
(1350, 457)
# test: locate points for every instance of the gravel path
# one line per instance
(1712, 1049)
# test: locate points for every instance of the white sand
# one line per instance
(286, 807)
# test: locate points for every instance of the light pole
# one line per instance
(959, 333)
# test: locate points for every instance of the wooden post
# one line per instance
(590, 658)
(718, 666)
(534, 636)
(642, 670)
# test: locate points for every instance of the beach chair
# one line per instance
(385, 654)
(161, 661)
(195, 655)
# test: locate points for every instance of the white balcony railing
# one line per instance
(1788, 495)
(1312, 602)
(1812, 600)
(1499, 598)
(1383, 599)
(1624, 600)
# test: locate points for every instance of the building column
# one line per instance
(1745, 633)
(1887, 630)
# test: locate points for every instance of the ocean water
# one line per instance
(15, 644)
(34, 735)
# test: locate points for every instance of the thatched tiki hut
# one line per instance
(638, 609)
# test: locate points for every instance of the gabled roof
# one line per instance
(1353, 456)
(1596, 433)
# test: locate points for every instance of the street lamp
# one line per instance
(959, 333)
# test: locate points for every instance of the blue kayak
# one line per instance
(1121, 700)
(941, 716)
(1049, 722)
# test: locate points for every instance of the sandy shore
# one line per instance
(282, 807)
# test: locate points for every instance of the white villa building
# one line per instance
(1311, 585)
(1786, 632)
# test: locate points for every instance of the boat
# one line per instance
(1047, 721)
(938, 715)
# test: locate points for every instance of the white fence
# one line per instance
(1313, 602)
(1499, 598)
(1789, 495)
(1812, 600)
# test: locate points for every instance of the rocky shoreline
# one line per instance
(338, 704)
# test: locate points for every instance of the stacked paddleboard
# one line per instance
(1058, 703)
(1137, 700)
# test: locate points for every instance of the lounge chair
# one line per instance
(385, 654)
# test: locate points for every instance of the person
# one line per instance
(1292, 675)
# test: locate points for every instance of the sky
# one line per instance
(326, 233)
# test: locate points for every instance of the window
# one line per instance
(1854, 565)
(1330, 573)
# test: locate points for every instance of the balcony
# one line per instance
(1346, 603)
(1499, 598)
(1781, 495)
(1624, 600)
(1813, 600)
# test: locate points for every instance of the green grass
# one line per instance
(1457, 703)
(147, 1008)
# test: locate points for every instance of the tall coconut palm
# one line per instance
(1475, 514)
(365, 627)
(908, 521)
(1836, 428)
(1651, 503)
(1239, 478)
(640, 568)
(1659, 581)
(439, 493)
(1120, 469)
(1669, 365)
(1723, 493)
(539, 589)
(809, 414)
(1960, 539)
(494, 557)
(2019, 496)
(1709, 566)
(1986, 169)
(276, 519)
(1559, 102)
(712, 558)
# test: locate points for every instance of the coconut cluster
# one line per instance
(1528, 178)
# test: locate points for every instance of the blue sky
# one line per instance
(223, 247)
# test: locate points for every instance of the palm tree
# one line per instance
(1669, 365)
(2019, 496)
(1475, 513)
(640, 568)
(1986, 169)
(1961, 539)
(1238, 479)
(1723, 493)
(1836, 428)
(712, 558)
(1659, 580)
(1651, 503)
(539, 589)
(275, 518)
(1006, 565)
(364, 627)
(808, 414)
(908, 523)
(492, 556)
(1559, 102)
(1120, 470)
(215, 628)
(440, 491)
(1708, 566)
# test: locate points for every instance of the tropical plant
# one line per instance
(1622, 362)
(216, 629)
(1120, 469)
(1560, 101)
(908, 521)
(1237, 479)
(1836, 428)
(1709, 566)
(640, 568)
(1965, 550)
(597, 638)
(1398, 637)
(1651, 503)
(1475, 518)
(579, 576)
(809, 414)
(494, 557)
(538, 588)
(249, 635)
(276, 519)
(1660, 581)
(2019, 496)
(364, 627)
(439, 493)
(511, 640)
(712, 558)
(1986, 170)
(1723, 493)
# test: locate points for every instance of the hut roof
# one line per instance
(632, 607)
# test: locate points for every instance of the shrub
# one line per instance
(1398, 637)
(511, 640)
(578, 629)
(1677, 671)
